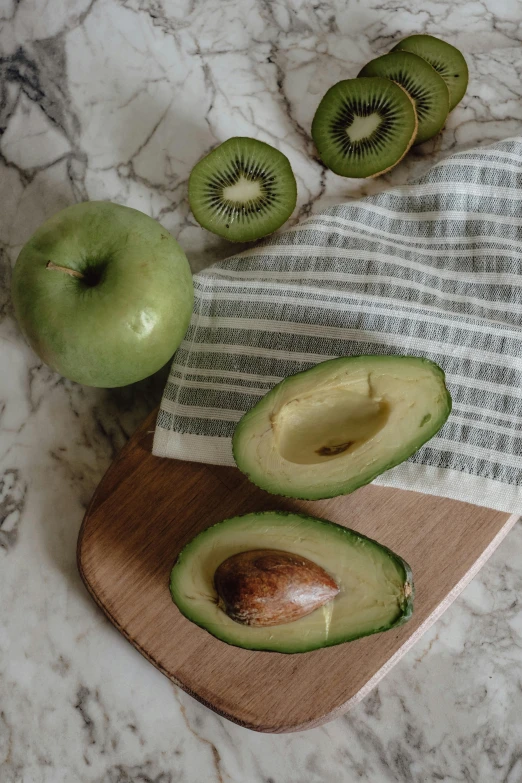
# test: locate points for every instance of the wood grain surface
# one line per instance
(147, 508)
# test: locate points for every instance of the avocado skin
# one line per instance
(406, 606)
(351, 484)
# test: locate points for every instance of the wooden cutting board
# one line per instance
(146, 509)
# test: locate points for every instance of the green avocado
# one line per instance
(375, 585)
(329, 430)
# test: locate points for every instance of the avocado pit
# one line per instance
(265, 587)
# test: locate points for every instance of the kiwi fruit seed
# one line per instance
(242, 190)
(445, 58)
(364, 127)
(425, 86)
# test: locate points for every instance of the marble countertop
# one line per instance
(117, 99)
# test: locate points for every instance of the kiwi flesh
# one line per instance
(425, 86)
(364, 127)
(445, 58)
(242, 190)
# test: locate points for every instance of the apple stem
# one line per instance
(65, 269)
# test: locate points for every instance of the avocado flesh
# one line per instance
(331, 429)
(375, 584)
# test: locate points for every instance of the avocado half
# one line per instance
(331, 429)
(375, 585)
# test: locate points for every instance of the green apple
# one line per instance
(103, 294)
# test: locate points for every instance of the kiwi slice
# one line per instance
(242, 190)
(445, 58)
(364, 127)
(425, 86)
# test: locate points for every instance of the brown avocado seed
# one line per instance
(266, 587)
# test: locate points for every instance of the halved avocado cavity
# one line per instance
(331, 429)
(373, 586)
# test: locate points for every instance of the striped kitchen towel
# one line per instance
(429, 269)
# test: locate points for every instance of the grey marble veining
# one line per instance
(107, 99)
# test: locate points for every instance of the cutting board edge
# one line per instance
(428, 622)
(353, 700)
